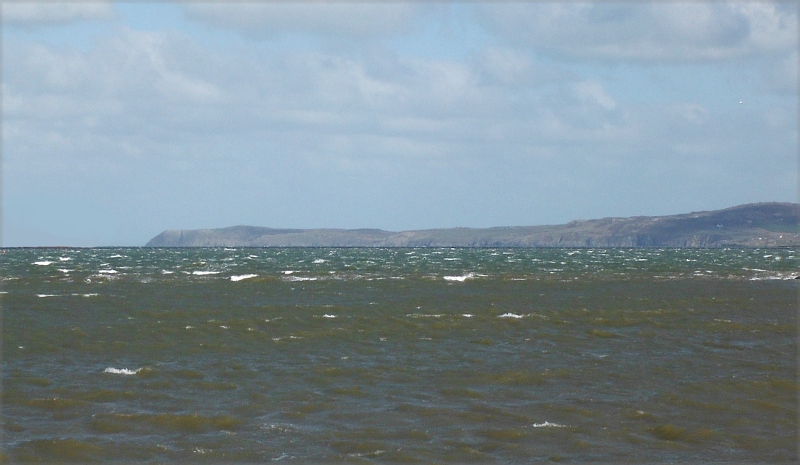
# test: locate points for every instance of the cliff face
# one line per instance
(752, 225)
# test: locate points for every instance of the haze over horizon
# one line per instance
(121, 120)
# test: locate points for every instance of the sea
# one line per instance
(399, 355)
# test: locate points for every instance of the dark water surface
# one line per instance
(399, 355)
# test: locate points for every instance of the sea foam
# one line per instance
(547, 424)
(121, 371)
(461, 278)
(243, 276)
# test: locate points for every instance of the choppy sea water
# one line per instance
(399, 355)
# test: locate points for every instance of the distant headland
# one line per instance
(753, 225)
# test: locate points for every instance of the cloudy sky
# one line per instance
(121, 120)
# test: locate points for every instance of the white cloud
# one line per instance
(154, 94)
(508, 67)
(594, 91)
(47, 13)
(771, 28)
(691, 112)
(141, 89)
(49, 69)
(783, 77)
(346, 19)
(146, 48)
(645, 31)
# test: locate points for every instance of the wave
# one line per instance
(547, 424)
(122, 371)
(775, 276)
(243, 276)
(461, 278)
(301, 278)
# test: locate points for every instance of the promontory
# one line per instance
(753, 225)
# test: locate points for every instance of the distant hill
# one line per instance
(751, 225)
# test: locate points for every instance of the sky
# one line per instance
(121, 120)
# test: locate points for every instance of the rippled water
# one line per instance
(399, 355)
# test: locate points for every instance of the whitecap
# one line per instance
(510, 315)
(467, 315)
(64, 270)
(121, 371)
(108, 271)
(547, 424)
(318, 261)
(461, 278)
(301, 278)
(166, 272)
(43, 263)
(243, 276)
(288, 272)
(203, 273)
(46, 295)
(64, 259)
(328, 316)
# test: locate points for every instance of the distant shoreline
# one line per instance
(753, 225)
